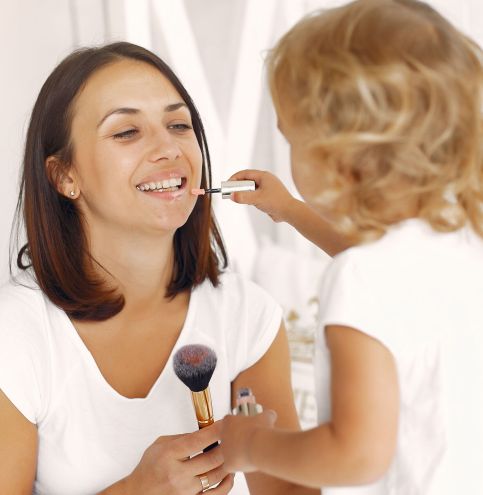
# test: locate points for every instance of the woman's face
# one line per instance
(136, 156)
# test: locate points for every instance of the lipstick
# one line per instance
(227, 188)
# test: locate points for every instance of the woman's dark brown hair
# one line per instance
(56, 246)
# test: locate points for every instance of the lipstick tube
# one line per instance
(246, 404)
(230, 186)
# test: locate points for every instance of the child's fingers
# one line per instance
(268, 418)
(245, 197)
(247, 174)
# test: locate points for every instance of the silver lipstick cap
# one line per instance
(230, 186)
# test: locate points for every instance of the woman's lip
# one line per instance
(167, 195)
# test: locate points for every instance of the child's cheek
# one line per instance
(307, 179)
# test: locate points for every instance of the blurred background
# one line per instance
(217, 48)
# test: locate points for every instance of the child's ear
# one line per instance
(61, 177)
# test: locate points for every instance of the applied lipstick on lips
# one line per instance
(227, 188)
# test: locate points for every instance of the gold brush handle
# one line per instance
(204, 411)
(203, 407)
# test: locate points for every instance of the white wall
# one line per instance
(216, 46)
(33, 35)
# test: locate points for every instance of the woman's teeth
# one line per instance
(164, 185)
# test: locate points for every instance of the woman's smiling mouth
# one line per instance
(167, 185)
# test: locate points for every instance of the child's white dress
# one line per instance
(420, 293)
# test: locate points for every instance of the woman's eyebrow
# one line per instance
(130, 111)
(122, 110)
(175, 106)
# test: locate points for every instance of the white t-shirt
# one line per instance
(420, 293)
(91, 436)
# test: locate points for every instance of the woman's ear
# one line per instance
(61, 177)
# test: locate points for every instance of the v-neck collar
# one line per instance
(92, 364)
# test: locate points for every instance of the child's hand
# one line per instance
(270, 196)
(237, 434)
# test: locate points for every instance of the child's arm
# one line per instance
(354, 448)
(273, 198)
(273, 367)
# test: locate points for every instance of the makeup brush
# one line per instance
(194, 366)
(227, 188)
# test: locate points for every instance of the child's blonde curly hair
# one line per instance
(394, 94)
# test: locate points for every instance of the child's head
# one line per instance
(381, 102)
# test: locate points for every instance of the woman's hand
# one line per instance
(237, 435)
(166, 466)
(270, 196)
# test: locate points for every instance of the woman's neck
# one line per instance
(138, 266)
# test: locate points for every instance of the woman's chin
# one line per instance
(172, 224)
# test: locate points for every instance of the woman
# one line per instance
(122, 266)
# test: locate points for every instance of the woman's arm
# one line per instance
(355, 447)
(18, 450)
(270, 381)
(164, 463)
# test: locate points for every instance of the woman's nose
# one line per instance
(164, 147)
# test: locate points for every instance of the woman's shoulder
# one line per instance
(237, 297)
(20, 287)
(243, 316)
(232, 280)
(21, 303)
(24, 347)
(233, 285)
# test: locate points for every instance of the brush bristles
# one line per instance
(194, 366)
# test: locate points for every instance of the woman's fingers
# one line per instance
(166, 465)
(187, 445)
(212, 478)
(224, 487)
(206, 461)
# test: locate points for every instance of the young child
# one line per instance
(380, 101)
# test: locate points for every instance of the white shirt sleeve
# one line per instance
(263, 323)
(353, 295)
(23, 351)
(255, 323)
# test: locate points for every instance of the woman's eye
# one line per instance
(180, 127)
(126, 134)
